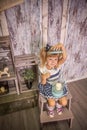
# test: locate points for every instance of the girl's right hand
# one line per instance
(47, 75)
(44, 77)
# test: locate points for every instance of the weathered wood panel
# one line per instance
(64, 21)
(45, 21)
(25, 31)
(76, 64)
(55, 8)
(3, 25)
(24, 27)
(35, 26)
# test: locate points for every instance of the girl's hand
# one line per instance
(44, 77)
(47, 75)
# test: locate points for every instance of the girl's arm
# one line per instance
(63, 56)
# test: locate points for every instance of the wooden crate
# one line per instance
(25, 60)
(6, 61)
(22, 62)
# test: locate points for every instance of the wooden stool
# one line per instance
(67, 114)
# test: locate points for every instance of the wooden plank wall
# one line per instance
(24, 26)
(76, 41)
(44, 21)
(34, 23)
(3, 25)
(55, 8)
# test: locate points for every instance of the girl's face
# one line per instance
(52, 61)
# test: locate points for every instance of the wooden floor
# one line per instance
(28, 119)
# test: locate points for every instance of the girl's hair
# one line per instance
(43, 56)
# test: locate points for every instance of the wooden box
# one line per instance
(22, 62)
(7, 71)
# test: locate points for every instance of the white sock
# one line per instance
(58, 105)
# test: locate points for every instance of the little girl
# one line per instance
(52, 57)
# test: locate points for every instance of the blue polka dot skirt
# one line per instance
(46, 90)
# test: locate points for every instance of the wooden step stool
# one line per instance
(67, 114)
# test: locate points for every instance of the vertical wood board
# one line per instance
(76, 64)
(3, 25)
(64, 21)
(35, 26)
(23, 24)
(55, 8)
(45, 21)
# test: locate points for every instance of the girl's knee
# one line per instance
(63, 101)
(51, 102)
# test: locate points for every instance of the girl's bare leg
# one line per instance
(61, 102)
(50, 107)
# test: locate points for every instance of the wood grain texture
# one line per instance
(35, 26)
(26, 36)
(64, 21)
(3, 25)
(55, 8)
(45, 21)
(24, 27)
(76, 64)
